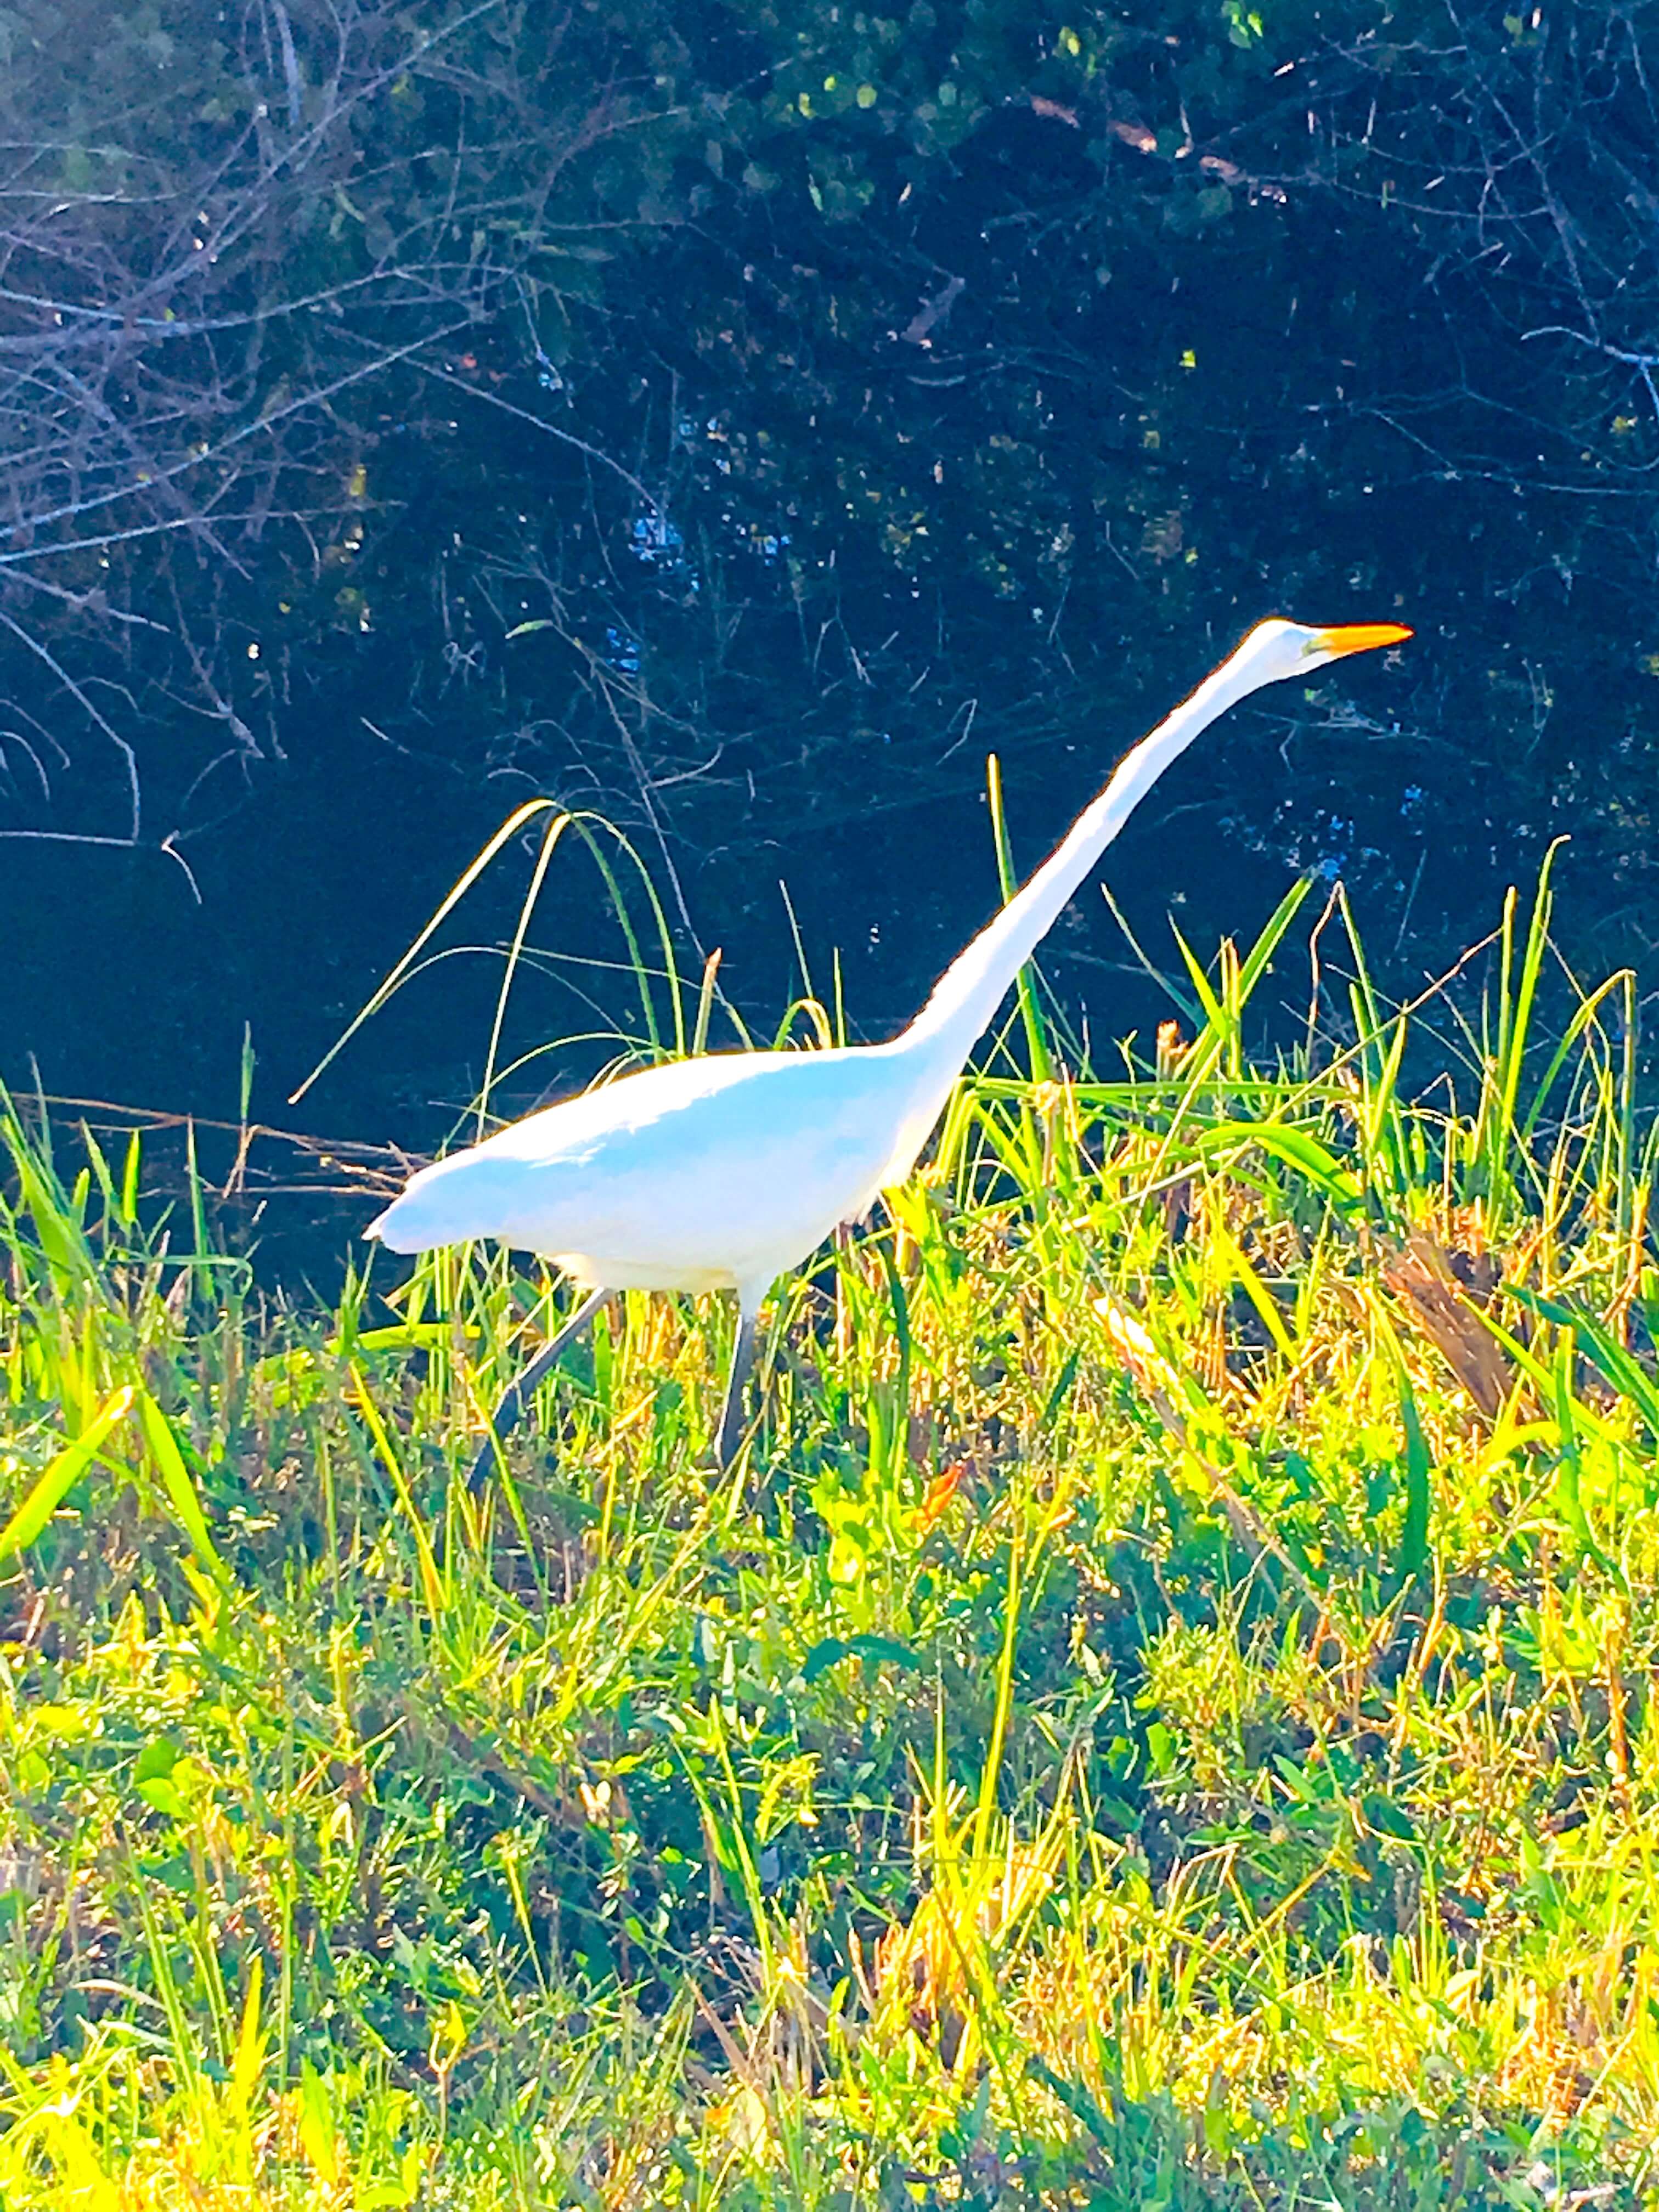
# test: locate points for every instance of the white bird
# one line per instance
(725, 1171)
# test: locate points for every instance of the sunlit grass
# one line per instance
(1160, 1717)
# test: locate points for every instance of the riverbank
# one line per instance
(1160, 1716)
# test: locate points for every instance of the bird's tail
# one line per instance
(400, 1228)
(444, 1204)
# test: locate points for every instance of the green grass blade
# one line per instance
(557, 823)
(169, 1464)
(451, 898)
(1030, 1014)
(60, 1474)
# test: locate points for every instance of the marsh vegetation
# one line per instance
(1161, 1716)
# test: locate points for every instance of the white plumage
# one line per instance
(723, 1172)
(698, 1175)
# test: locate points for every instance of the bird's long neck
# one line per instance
(972, 988)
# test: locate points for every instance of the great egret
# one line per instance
(725, 1171)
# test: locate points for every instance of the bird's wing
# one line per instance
(765, 1160)
(731, 1165)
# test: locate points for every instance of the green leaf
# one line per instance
(1414, 1537)
(164, 1796)
(156, 1760)
(1618, 1367)
(60, 1475)
(1296, 1149)
(169, 1464)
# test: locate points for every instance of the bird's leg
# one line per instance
(743, 1359)
(516, 1396)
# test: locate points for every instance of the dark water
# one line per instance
(815, 571)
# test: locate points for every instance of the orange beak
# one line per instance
(1360, 637)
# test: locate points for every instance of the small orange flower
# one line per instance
(940, 1490)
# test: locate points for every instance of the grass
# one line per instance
(1162, 1717)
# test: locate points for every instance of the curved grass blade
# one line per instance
(1292, 1148)
(1619, 1369)
(1414, 1535)
(584, 825)
(60, 1474)
(551, 836)
(446, 906)
(169, 1463)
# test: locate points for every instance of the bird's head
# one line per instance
(1276, 649)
